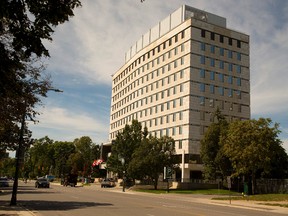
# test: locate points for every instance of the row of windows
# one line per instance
(172, 131)
(221, 38)
(151, 122)
(147, 55)
(151, 64)
(230, 92)
(221, 51)
(221, 77)
(148, 88)
(222, 64)
(145, 101)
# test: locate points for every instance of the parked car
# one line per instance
(42, 182)
(4, 182)
(107, 183)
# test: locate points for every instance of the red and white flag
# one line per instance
(97, 162)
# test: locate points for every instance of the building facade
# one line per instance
(175, 77)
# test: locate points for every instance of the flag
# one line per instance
(97, 162)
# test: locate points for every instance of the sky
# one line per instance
(88, 49)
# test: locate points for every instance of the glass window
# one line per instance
(221, 77)
(230, 54)
(181, 101)
(168, 105)
(203, 46)
(221, 90)
(230, 92)
(181, 74)
(230, 67)
(221, 51)
(239, 56)
(212, 62)
(167, 119)
(202, 73)
(180, 115)
(212, 49)
(180, 144)
(230, 79)
(181, 87)
(167, 131)
(221, 64)
(173, 131)
(180, 129)
(212, 89)
(238, 68)
(202, 101)
(238, 81)
(212, 75)
(202, 59)
(202, 87)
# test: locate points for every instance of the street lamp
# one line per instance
(19, 150)
(124, 177)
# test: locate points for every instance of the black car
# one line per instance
(42, 182)
(4, 182)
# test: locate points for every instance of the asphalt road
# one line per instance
(93, 200)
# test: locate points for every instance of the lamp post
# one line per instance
(124, 177)
(19, 150)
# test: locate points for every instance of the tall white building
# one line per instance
(176, 75)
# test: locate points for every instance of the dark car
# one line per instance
(107, 183)
(4, 182)
(42, 183)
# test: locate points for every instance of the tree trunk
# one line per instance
(155, 183)
(253, 183)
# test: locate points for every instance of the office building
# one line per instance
(176, 75)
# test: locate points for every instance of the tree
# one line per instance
(150, 158)
(124, 146)
(24, 24)
(248, 145)
(215, 162)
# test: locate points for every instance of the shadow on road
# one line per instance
(39, 205)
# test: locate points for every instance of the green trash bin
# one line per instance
(246, 190)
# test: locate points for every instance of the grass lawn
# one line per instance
(205, 192)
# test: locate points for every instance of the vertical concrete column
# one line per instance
(183, 166)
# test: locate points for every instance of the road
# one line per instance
(93, 200)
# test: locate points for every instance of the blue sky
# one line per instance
(87, 50)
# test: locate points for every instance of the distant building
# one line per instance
(176, 75)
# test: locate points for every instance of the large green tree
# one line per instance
(124, 146)
(150, 158)
(216, 164)
(250, 144)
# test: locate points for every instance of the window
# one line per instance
(238, 81)
(230, 92)
(221, 64)
(212, 75)
(182, 34)
(202, 73)
(239, 56)
(230, 67)
(221, 77)
(238, 43)
(203, 33)
(167, 131)
(180, 144)
(230, 41)
(202, 100)
(176, 51)
(180, 129)
(230, 54)
(212, 89)
(181, 74)
(202, 59)
(174, 103)
(167, 119)
(180, 115)
(212, 36)
(221, 51)
(212, 49)
(181, 87)
(238, 68)
(203, 46)
(230, 79)
(173, 131)
(181, 101)
(202, 87)
(221, 38)
(221, 90)
(212, 62)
